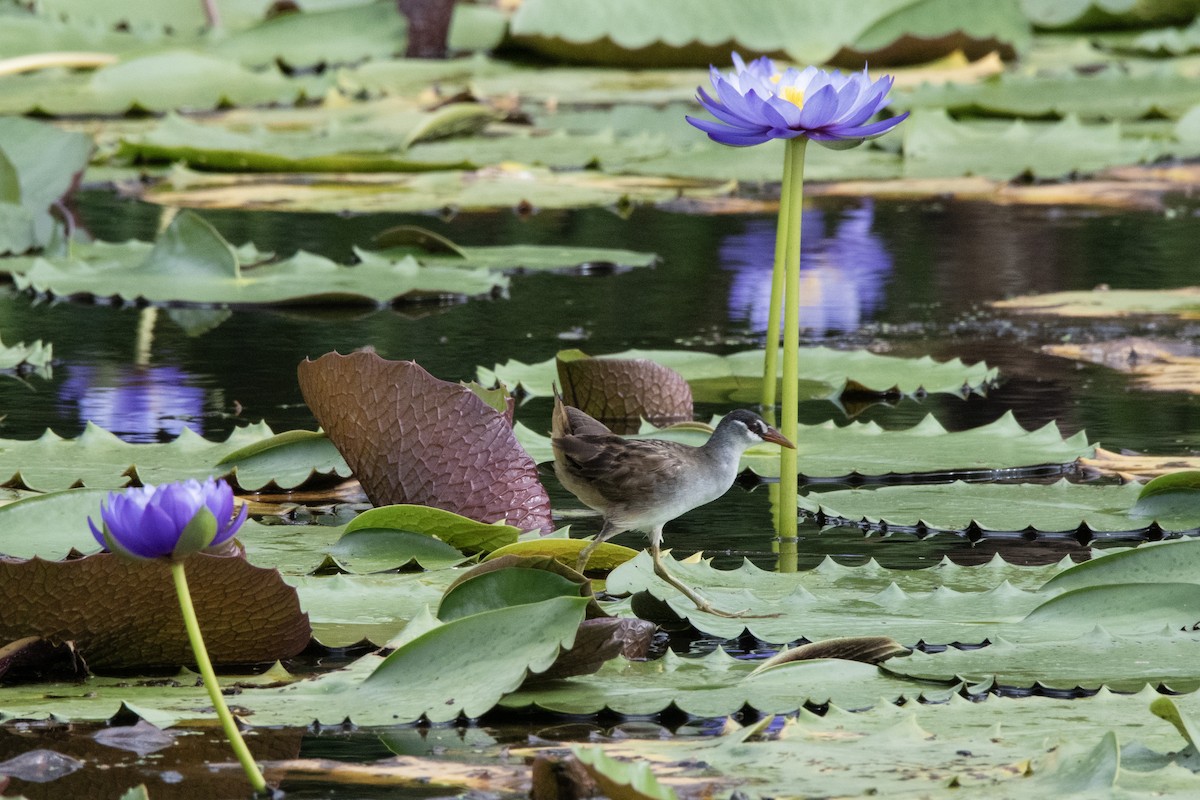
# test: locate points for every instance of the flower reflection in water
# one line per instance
(137, 403)
(843, 272)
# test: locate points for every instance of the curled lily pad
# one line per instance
(623, 390)
(463, 533)
(412, 438)
(38, 165)
(123, 614)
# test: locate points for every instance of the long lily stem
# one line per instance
(771, 346)
(789, 417)
(210, 681)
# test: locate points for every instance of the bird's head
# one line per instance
(753, 429)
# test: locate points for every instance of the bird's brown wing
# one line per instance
(623, 470)
(568, 420)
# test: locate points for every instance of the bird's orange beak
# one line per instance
(778, 438)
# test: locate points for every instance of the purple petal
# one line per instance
(818, 109)
(97, 534)
(231, 526)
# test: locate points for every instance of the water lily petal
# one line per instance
(755, 103)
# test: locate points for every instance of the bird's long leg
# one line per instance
(687, 591)
(607, 532)
(691, 594)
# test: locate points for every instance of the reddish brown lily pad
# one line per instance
(122, 614)
(412, 438)
(623, 390)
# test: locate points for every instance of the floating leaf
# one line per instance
(566, 551)
(38, 165)
(790, 610)
(1097, 658)
(379, 549)
(212, 147)
(1059, 507)
(123, 614)
(97, 458)
(1168, 41)
(621, 780)
(700, 33)
(345, 610)
(1165, 562)
(935, 145)
(718, 685)
(623, 389)
(1111, 94)
(161, 81)
(824, 372)
(1105, 302)
(411, 438)
(1133, 466)
(458, 531)
(505, 186)
(1085, 14)
(191, 263)
(36, 356)
(1162, 366)
(503, 588)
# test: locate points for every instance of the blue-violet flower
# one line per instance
(757, 102)
(169, 521)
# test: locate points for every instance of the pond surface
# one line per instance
(905, 278)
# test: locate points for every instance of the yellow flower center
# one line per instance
(790, 93)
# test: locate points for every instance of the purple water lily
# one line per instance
(169, 521)
(757, 102)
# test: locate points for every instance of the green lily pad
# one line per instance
(941, 616)
(936, 146)
(700, 32)
(457, 531)
(346, 610)
(1156, 562)
(212, 147)
(1059, 507)
(1183, 303)
(36, 356)
(1169, 41)
(621, 779)
(191, 263)
(1112, 94)
(97, 458)
(1002, 747)
(162, 81)
(718, 685)
(503, 588)
(865, 450)
(38, 165)
(385, 549)
(1098, 658)
(824, 372)
(504, 186)
(1085, 14)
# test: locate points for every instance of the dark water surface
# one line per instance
(902, 278)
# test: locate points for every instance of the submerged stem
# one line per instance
(790, 395)
(210, 680)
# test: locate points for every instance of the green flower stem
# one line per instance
(771, 346)
(210, 680)
(789, 417)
